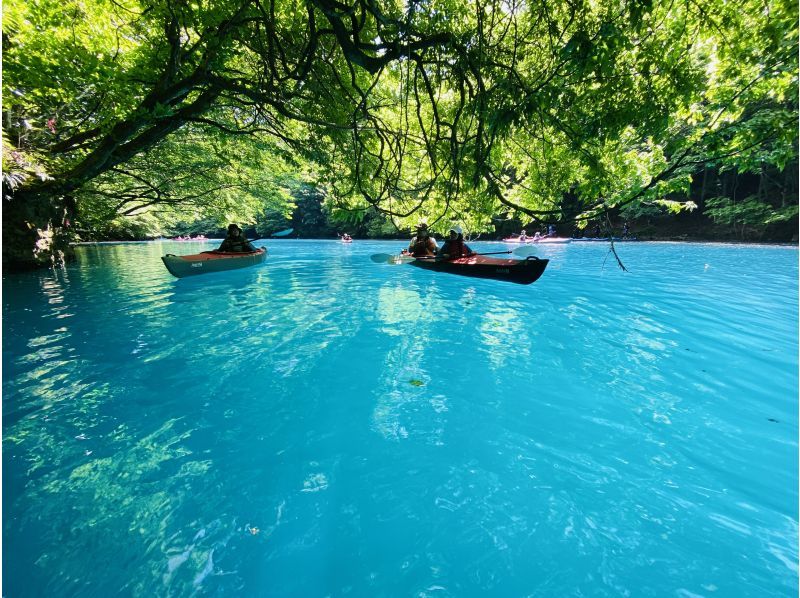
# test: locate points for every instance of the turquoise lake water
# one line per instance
(323, 425)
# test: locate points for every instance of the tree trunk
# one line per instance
(702, 203)
(36, 219)
(785, 187)
(35, 231)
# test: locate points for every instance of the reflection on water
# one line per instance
(408, 315)
(323, 425)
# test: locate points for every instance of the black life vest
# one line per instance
(456, 249)
(421, 247)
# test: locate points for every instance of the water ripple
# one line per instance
(324, 425)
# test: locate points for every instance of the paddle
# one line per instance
(247, 240)
(283, 233)
(525, 251)
(391, 258)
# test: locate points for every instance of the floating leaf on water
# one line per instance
(415, 382)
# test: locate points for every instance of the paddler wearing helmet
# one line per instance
(454, 247)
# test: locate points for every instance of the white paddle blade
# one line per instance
(388, 258)
(381, 258)
(525, 251)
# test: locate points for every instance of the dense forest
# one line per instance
(133, 119)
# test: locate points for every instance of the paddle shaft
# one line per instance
(388, 257)
(246, 241)
(488, 253)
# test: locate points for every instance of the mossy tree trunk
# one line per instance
(36, 230)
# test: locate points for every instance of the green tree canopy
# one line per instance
(437, 109)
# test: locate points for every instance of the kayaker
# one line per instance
(454, 247)
(551, 230)
(235, 241)
(422, 244)
(523, 236)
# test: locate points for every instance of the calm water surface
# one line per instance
(325, 426)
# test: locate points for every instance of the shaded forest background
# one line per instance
(134, 119)
(736, 212)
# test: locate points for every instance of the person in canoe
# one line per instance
(454, 247)
(422, 245)
(235, 242)
(523, 236)
(551, 230)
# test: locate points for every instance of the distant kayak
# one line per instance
(347, 240)
(478, 266)
(531, 240)
(210, 261)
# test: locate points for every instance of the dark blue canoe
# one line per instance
(479, 266)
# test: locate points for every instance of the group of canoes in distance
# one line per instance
(577, 235)
(190, 238)
(549, 237)
(454, 256)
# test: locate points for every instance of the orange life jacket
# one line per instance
(457, 249)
